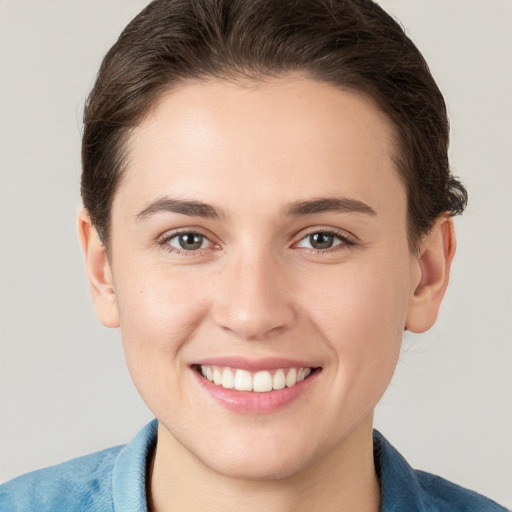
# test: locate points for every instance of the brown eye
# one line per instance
(188, 241)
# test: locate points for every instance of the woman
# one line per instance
(267, 207)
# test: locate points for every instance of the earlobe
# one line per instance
(99, 273)
(433, 261)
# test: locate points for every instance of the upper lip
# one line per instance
(252, 365)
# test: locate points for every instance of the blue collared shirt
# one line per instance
(115, 480)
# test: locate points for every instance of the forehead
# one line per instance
(281, 139)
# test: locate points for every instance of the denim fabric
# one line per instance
(406, 490)
(114, 480)
(106, 481)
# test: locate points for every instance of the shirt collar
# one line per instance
(400, 491)
(129, 474)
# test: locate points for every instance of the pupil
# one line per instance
(189, 241)
(321, 240)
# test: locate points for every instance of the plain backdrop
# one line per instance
(64, 389)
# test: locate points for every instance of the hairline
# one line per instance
(247, 78)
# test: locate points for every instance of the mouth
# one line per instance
(262, 381)
(256, 386)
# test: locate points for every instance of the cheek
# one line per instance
(361, 313)
(362, 299)
(159, 310)
(157, 303)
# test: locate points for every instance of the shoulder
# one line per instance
(441, 494)
(105, 481)
(84, 484)
(404, 489)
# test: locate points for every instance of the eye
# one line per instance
(323, 240)
(188, 241)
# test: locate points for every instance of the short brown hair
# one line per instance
(352, 44)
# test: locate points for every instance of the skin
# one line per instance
(257, 288)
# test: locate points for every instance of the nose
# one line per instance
(253, 298)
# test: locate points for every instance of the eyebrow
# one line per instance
(298, 208)
(330, 204)
(184, 207)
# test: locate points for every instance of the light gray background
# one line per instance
(64, 389)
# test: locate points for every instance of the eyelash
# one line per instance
(164, 242)
(345, 242)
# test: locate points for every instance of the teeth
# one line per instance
(217, 376)
(228, 379)
(291, 378)
(259, 382)
(262, 381)
(243, 381)
(279, 380)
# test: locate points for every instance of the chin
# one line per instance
(258, 460)
(251, 469)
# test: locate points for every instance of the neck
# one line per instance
(343, 480)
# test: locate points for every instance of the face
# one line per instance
(260, 229)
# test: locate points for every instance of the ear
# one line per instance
(433, 262)
(101, 282)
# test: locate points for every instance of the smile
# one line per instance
(256, 387)
(258, 382)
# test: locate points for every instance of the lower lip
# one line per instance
(249, 402)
